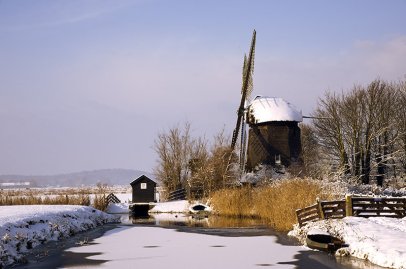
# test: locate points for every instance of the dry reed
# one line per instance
(275, 203)
(67, 196)
(47, 200)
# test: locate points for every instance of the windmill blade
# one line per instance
(247, 86)
(243, 147)
(248, 71)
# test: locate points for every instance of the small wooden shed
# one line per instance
(143, 190)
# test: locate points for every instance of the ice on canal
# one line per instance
(156, 247)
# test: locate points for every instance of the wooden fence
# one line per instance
(111, 198)
(353, 206)
(375, 207)
(308, 214)
(179, 194)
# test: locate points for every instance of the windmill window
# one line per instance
(143, 186)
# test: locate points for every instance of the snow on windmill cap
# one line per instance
(266, 109)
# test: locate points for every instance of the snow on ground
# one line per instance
(120, 208)
(182, 206)
(155, 247)
(171, 207)
(380, 240)
(24, 227)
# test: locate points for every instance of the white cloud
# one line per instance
(40, 14)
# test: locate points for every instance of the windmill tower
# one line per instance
(274, 134)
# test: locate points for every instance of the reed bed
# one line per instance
(46, 200)
(60, 197)
(275, 203)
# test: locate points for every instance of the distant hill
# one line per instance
(85, 178)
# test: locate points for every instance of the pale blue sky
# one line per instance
(89, 84)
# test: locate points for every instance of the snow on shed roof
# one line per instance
(266, 109)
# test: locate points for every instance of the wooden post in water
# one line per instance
(348, 205)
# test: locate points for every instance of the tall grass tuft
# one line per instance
(100, 202)
(275, 203)
(236, 202)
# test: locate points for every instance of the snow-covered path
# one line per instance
(25, 227)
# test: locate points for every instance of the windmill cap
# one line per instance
(266, 109)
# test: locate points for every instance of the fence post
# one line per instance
(348, 205)
(321, 213)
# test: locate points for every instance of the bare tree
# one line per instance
(329, 128)
(363, 128)
(175, 149)
(213, 172)
(400, 122)
(311, 151)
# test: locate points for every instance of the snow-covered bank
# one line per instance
(25, 227)
(181, 206)
(119, 208)
(380, 240)
(171, 207)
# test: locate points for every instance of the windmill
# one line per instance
(246, 90)
(273, 133)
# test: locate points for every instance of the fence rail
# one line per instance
(374, 207)
(308, 214)
(353, 206)
(112, 198)
(179, 194)
(333, 209)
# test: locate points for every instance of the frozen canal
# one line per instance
(178, 242)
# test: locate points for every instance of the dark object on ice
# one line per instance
(143, 190)
(323, 241)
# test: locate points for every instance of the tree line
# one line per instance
(359, 133)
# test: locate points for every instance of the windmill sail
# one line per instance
(243, 146)
(246, 89)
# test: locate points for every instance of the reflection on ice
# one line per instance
(191, 220)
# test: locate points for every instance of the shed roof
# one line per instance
(267, 109)
(141, 177)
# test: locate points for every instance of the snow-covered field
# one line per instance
(25, 227)
(380, 240)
